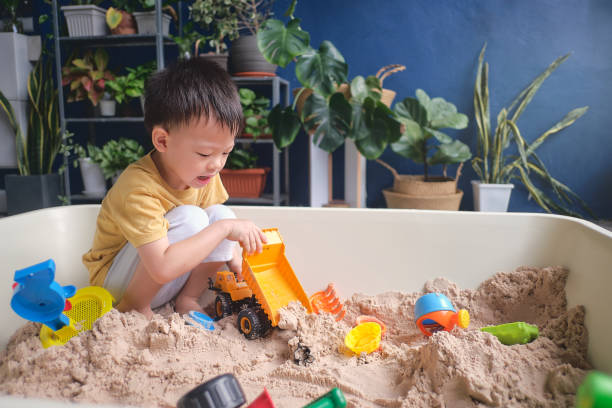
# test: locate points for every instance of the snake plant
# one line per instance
(36, 153)
(492, 165)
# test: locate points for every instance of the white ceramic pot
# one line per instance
(107, 107)
(491, 197)
(145, 20)
(88, 20)
(93, 180)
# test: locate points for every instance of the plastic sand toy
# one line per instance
(513, 333)
(199, 319)
(365, 319)
(269, 285)
(63, 313)
(333, 399)
(595, 391)
(327, 301)
(364, 338)
(224, 391)
(435, 312)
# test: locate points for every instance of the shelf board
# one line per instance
(116, 40)
(108, 119)
(258, 80)
(265, 199)
(250, 140)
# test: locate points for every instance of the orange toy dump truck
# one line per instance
(269, 284)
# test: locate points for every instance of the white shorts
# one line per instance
(184, 221)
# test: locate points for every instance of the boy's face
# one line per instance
(192, 155)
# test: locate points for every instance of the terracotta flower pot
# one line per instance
(246, 183)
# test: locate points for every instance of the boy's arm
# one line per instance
(165, 262)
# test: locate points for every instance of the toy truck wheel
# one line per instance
(250, 324)
(223, 305)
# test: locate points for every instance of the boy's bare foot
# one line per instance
(184, 304)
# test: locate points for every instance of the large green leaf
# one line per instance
(412, 142)
(448, 153)
(322, 70)
(280, 44)
(376, 142)
(285, 125)
(440, 113)
(330, 123)
(410, 108)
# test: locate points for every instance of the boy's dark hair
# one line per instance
(188, 90)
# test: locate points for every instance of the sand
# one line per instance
(127, 359)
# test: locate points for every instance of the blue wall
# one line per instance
(439, 42)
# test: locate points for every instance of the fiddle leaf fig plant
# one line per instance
(422, 119)
(331, 114)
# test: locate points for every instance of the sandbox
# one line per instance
(366, 251)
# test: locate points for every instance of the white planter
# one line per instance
(145, 20)
(85, 21)
(93, 180)
(318, 172)
(107, 107)
(354, 176)
(491, 197)
(15, 65)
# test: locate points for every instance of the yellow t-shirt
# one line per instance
(133, 210)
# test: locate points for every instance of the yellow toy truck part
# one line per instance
(269, 284)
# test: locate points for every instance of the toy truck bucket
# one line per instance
(271, 278)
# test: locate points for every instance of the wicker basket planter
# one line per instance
(244, 183)
(448, 202)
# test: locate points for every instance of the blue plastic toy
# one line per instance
(196, 318)
(37, 297)
(434, 312)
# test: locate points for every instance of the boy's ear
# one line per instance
(159, 137)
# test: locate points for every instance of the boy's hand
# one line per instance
(250, 237)
(235, 264)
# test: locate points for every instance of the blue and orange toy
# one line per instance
(63, 310)
(435, 312)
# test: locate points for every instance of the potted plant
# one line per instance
(87, 76)
(36, 186)
(186, 41)
(219, 18)
(331, 113)
(245, 59)
(496, 170)
(255, 110)
(85, 18)
(130, 85)
(146, 20)
(240, 176)
(120, 19)
(423, 142)
(116, 155)
(89, 161)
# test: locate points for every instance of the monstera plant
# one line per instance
(329, 114)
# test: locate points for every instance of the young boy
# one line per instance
(162, 231)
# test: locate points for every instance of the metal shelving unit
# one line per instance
(279, 88)
(158, 40)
